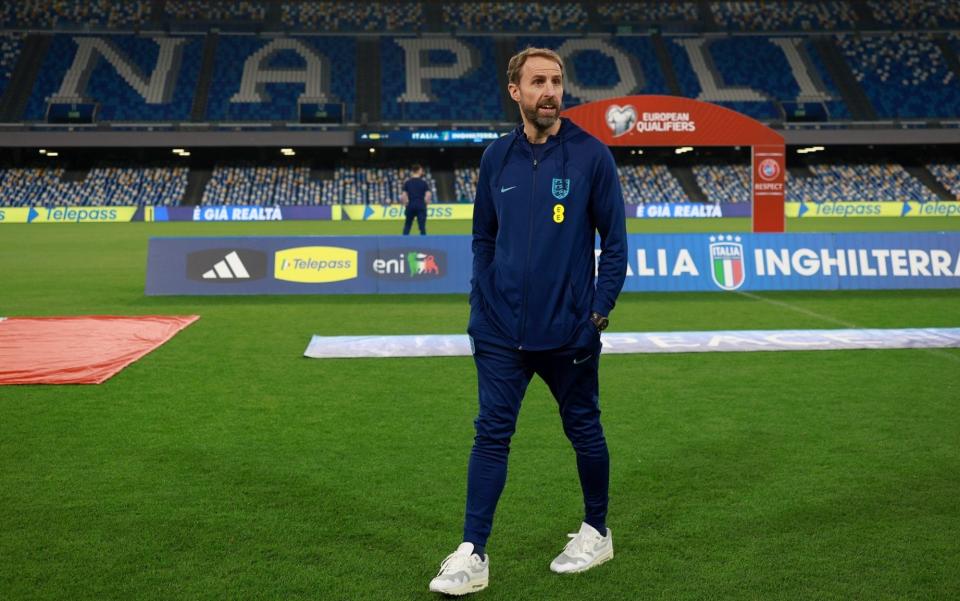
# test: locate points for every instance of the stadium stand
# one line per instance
(10, 46)
(904, 75)
(237, 92)
(857, 182)
(947, 174)
(650, 183)
(724, 183)
(102, 186)
(215, 10)
(465, 183)
(352, 16)
(467, 89)
(620, 13)
(756, 71)
(59, 13)
(789, 15)
(123, 85)
(824, 183)
(600, 68)
(515, 16)
(923, 14)
(291, 185)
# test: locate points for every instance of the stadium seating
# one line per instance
(857, 182)
(755, 73)
(215, 10)
(332, 60)
(825, 183)
(313, 15)
(515, 16)
(102, 186)
(789, 15)
(56, 13)
(465, 183)
(650, 183)
(923, 14)
(904, 75)
(468, 90)
(291, 185)
(947, 174)
(724, 183)
(593, 69)
(10, 46)
(621, 13)
(125, 93)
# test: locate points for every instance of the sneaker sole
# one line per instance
(465, 589)
(598, 561)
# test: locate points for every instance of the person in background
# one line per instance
(415, 197)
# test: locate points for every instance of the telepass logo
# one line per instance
(726, 261)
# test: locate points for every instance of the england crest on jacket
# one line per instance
(726, 261)
(561, 187)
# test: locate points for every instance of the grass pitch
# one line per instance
(226, 466)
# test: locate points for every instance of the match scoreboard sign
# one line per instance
(656, 263)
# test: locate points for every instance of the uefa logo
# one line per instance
(769, 169)
(621, 119)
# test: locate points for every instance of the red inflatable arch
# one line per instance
(677, 121)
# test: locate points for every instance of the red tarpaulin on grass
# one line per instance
(79, 350)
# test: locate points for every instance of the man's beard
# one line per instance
(542, 123)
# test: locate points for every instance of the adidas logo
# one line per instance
(231, 267)
(225, 265)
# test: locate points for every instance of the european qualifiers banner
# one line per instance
(656, 263)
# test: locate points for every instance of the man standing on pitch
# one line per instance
(536, 307)
(416, 196)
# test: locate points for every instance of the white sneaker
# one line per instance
(462, 572)
(588, 549)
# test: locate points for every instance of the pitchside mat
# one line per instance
(330, 347)
(79, 350)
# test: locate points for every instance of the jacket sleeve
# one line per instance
(607, 211)
(485, 226)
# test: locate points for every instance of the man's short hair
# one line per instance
(416, 167)
(517, 61)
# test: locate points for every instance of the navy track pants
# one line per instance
(420, 215)
(503, 375)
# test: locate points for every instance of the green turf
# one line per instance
(226, 466)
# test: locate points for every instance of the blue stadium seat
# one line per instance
(857, 182)
(118, 99)
(947, 174)
(249, 184)
(787, 15)
(921, 14)
(904, 75)
(103, 186)
(10, 46)
(495, 17)
(757, 66)
(54, 13)
(592, 66)
(313, 15)
(473, 96)
(279, 103)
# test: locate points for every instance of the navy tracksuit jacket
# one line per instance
(537, 211)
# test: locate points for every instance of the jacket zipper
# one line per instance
(526, 263)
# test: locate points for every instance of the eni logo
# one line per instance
(558, 213)
(315, 264)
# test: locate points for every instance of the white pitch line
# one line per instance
(834, 320)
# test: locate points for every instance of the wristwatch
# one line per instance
(599, 321)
